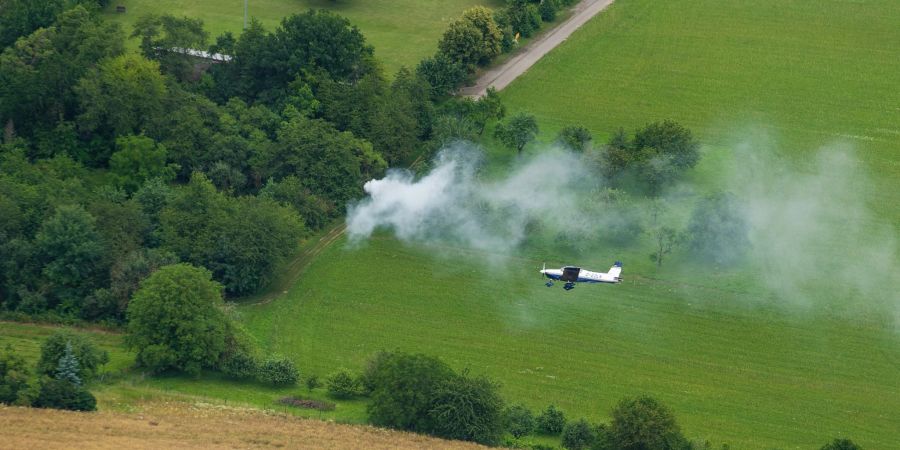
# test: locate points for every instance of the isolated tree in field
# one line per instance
(467, 408)
(575, 137)
(665, 239)
(578, 435)
(174, 320)
(165, 38)
(518, 420)
(518, 131)
(14, 376)
(841, 444)
(717, 231)
(643, 423)
(90, 358)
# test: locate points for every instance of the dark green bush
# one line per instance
(578, 435)
(278, 371)
(550, 421)
(402, 387)
(467, 408)
(240, 365)
(62, 394)
(518, 420)
(548, 10)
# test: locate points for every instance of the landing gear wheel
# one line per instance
(548, 284)
(569, 286)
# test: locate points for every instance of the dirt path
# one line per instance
(499, 77)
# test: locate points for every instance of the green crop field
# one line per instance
(403, 32)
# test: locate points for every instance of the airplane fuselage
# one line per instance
(578, 275)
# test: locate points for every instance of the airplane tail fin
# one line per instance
(616, 269)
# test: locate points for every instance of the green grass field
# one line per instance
(807, 74)
(402, 31)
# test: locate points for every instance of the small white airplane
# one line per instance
(572, 275)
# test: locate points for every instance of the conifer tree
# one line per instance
(67, 370)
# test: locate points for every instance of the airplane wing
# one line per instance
(616, 269)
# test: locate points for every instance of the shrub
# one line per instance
(240, 365)
(575, 137)
(62, 394)
(578, 435)
(342, 385)
(402, 386)
(841, 444)
(518, 420)
(89, 357)
(467, 408)
(551, 421)
(312, 382)
(14, 375)
(642, 423)
(278, 371)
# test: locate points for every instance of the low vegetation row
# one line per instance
(411, 392)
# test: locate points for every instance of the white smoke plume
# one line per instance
(815, 241)
(451, 204)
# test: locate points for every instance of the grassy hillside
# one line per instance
(734, 367)
(195, 425)
(806, 74)
(402, 31)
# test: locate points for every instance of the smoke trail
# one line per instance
(815, 243)
(451, 204)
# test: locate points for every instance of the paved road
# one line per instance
(499, 77)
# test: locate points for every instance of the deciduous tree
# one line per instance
(174, 321)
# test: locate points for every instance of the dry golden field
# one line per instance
(175, 425)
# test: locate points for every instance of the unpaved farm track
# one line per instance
(499, 77)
